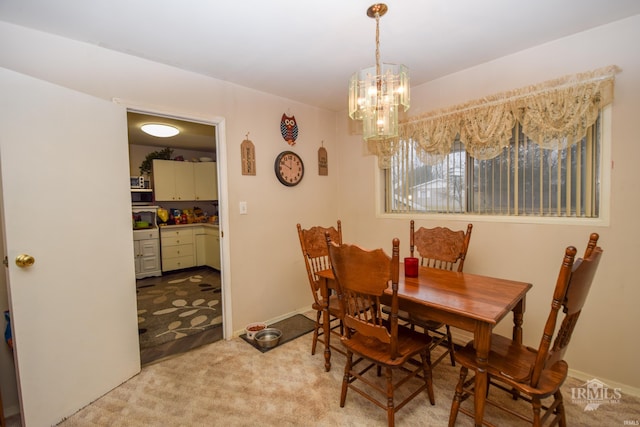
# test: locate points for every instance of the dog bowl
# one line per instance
(252, 328)
(268, 338)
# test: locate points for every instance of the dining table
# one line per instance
(470, 302)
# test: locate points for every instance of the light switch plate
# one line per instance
(243, 208)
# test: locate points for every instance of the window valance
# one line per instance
(555, 114)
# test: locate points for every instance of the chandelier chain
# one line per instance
(377, 44)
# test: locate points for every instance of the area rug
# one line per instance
(178, 305)
(291, 327)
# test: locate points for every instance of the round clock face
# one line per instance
(289, 168)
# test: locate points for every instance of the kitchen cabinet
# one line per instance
(208, 246)
(212, 247)
(206, 180)
(146, 253)
(178, 248)
(200, 248)
(174, 180)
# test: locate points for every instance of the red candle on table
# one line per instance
(411, 267)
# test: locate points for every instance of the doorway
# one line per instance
(196, 142)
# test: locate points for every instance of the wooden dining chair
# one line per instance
(362, 277)
(442, 248)
(535, 374)
(316, 258)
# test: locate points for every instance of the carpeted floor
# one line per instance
(229, 383)
(178, 311)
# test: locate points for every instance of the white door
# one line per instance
(65, 183)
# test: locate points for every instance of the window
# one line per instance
(523, 180)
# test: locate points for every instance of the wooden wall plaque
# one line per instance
(323, 162)
(248, 151)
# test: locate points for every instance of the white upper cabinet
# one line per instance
(184, 181)
(206, 181)
(185, 188)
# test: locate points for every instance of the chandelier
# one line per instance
(377, 93)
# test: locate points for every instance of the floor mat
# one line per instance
(291, 327)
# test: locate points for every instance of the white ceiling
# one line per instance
(306, 51)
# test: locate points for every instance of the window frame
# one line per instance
(606, 165)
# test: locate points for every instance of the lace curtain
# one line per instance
(555, 114)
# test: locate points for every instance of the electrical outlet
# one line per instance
(243, 208)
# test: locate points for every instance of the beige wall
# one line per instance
(605, 344)
(267, 277)
(266, 269)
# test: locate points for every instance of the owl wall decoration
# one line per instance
(289, 129)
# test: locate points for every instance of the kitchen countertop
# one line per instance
(195, 224)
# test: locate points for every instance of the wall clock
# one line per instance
(289, 168)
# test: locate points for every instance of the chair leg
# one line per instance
(346, 378)
(391, 410)
(457, 398)
(562, 421)
(314, 342)
(537, 404)
(451, 349)
(428, 378)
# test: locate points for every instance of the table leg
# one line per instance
(482, 339)
(518, 312)
(326, 323)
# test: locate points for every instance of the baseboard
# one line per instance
(461, 337)
(11, 410)
(624, 388)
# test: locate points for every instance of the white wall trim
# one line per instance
(223, 191)
(624, 388)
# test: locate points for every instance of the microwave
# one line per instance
(141, 196)
(137, 182)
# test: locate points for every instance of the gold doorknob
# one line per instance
(24, 260)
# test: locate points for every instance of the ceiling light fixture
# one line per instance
(376, 93)
(160, 130)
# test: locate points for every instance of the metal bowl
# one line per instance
(268, 338)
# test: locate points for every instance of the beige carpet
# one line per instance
(229, 383)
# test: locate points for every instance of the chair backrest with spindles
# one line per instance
(314, 249)
(362, 277)
(440, 247)
(572, 287)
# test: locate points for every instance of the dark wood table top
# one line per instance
(481, 298)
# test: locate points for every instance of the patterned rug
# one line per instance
(178, 305)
